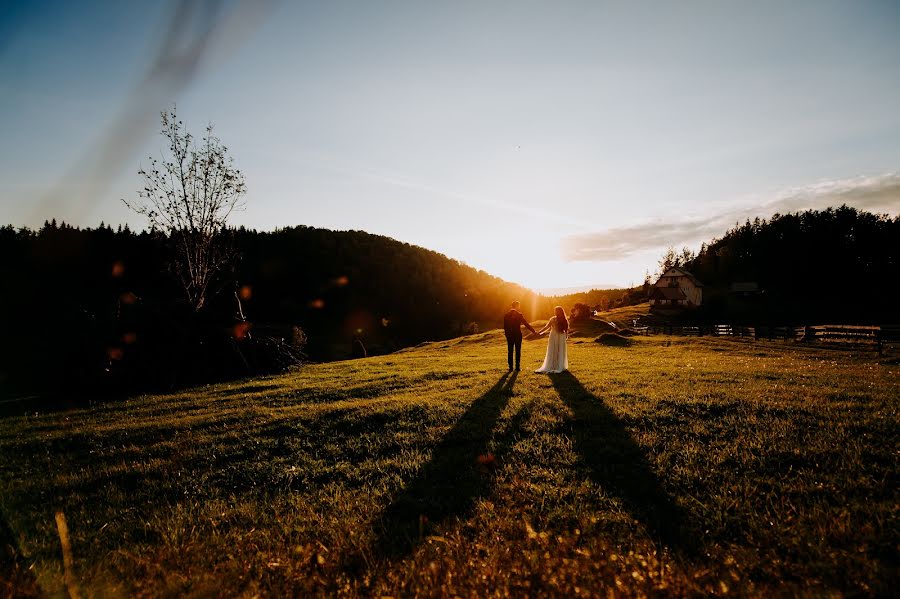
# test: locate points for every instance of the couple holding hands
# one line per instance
(556, 359)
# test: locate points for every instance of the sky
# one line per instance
(554, 144)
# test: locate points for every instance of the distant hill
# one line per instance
(337, 284)
(569, 291)
(836, 264)
(94, 304)
(89, 304)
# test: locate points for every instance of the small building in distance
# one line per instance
(676, 287)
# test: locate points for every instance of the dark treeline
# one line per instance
(98, 309)
(341, 284)
(338, 284)
(810, 267)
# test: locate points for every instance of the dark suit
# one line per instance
(512, 323)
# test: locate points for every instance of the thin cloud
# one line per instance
(880, 194)
(344, 168)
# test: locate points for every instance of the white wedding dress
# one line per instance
(557, 359)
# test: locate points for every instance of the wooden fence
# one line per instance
(876, 337)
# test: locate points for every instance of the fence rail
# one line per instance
(876, 337)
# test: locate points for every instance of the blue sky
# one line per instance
(554, 144)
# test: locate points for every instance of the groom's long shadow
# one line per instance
(451, 480)
(619, 465)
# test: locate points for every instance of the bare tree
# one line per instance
(189, 193)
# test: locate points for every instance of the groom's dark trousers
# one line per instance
(514, 342)
(512, 321)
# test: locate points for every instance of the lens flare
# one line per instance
(241, 330)
(128, 298)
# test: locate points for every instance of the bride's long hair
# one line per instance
(562, 323)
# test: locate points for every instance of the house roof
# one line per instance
(667, 293)
(678, 272)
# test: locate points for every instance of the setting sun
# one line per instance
(449, 298)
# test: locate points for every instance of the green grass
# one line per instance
(624, 316)
(683, 466)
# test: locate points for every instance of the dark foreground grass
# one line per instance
(678, 466)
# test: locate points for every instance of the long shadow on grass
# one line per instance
(450, 482)
(16, 578)
(619, 466)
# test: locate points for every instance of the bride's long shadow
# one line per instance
(619, 465)
(451, 480)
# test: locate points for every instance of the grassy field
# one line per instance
(682, 466)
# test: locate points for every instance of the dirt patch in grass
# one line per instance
(613, 340)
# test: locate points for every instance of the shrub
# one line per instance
(580, 312)
(614, 340)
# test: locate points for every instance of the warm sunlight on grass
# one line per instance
(683, 466)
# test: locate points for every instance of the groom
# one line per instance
(512, 321)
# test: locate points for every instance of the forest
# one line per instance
(837, 265)
(98, 308)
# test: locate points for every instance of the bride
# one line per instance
(557, 359)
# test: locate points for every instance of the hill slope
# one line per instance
(97, 308)
(339, 283)
(817, 265)
(679, 465)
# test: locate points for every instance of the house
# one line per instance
(676, 287)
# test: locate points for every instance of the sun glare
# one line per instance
(518, 260)
(534, 260)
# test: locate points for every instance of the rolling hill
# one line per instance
(97, 308)
(683, 466)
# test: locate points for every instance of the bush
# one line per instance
(581, 312)
(613, 340)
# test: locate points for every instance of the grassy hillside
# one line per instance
(687, 466)
(625, 316)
